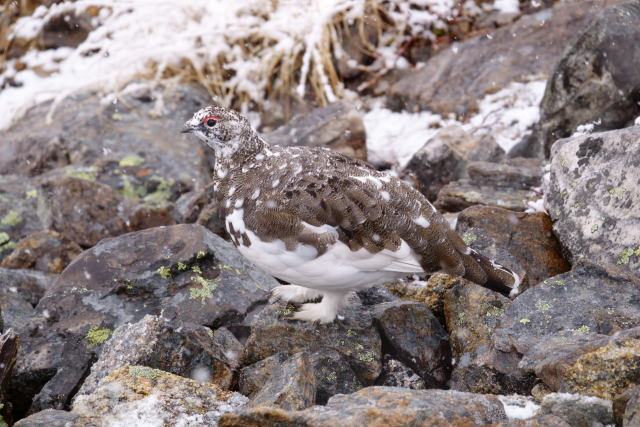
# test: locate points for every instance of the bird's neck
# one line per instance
(238, 151)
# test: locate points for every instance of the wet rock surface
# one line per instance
(388, 406)
(592, 195)
(520, 241)
(594, 82)
(184, 272)
(454, 80)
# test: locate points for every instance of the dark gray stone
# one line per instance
(416, 338)
(596, 81)
(397, 374)
(577, 410)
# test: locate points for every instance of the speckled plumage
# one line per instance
(328, 223)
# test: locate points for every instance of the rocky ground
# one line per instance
(122, 302)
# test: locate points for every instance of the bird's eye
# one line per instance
(211, 122)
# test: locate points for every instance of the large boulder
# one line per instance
(183, 272)
(593, 197)
(388, 406)
(597, 81)
(455, 80)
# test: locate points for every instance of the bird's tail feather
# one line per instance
(489, 274)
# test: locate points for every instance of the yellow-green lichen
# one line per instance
(182, 266)
(469, 238)
(618, 192)
(161, 196)
(130, 190)
(331, 376)
(594, 228)
(5, 241)
(368, 357)
(524, 321)
(210, 333)
(31, 194)
(145, 372)
(460, 319)
(582, 329)
(351, 333)
(97, 336)
(289, 309)
(543, 305)
(625, 255)
(201, 254)
(131, 161)
(229, 268)
(164, 272)
(11, 219)
(196, 269)
(88, 174)
(494, 311)
(207, 286)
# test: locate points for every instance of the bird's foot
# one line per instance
(314, 312)
(293, 293)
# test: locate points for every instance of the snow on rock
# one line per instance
(519, 407)
(506, 115)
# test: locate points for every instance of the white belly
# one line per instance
(339, 268)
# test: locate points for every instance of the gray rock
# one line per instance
(415, 337)
(632, 410)
(464, 193)
(184, 272)
(337, 126)
(595, 81)
(593, 197)
(397, 374)
(333, 375)
(523, 242)
(577, 410)
(388, 406)
(9, 343)
(155, 397)
(287, 383)
(455, 79)
(587, 363)
(517, 173)
(355, 338)
(586, 299)
(56, 418)
(44, 250)
(185, 350)
(29, 284)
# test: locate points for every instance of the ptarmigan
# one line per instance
(326, 223)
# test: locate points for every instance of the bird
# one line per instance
(326, 223)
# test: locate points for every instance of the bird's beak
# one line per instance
(189, 126)
(186, 129)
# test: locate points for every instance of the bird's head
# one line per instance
(222, 129)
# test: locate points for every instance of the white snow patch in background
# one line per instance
(507, 6)
(536, 206)
(519, 407)
(586, 128)
(395, 137)
(637, 122)
(506, 115)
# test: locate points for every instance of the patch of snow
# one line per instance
(507, 6)
(508, 114)
(396, 136)
(535, 206)
(586, 128)
(518, 407)
(637, 121)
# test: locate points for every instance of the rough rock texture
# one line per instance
(9, 343)
(184, 272)
(134, 394)
(129, 132)
(333, 375)
(516, 173)
(461, 194)
(415, 337)
(472, 313)
(397, 374)
(576, 410)
(57, 418)
(520, 241)
(183, 350)
(355, 338)
(30, 285)
(45, 250)
(337, 126)
(454, 80)
(593, 197)
(22, 211)
(596, 81)
(588, 298)
(632, 410)
(383, 406)
(443, 158)
(289, 384)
